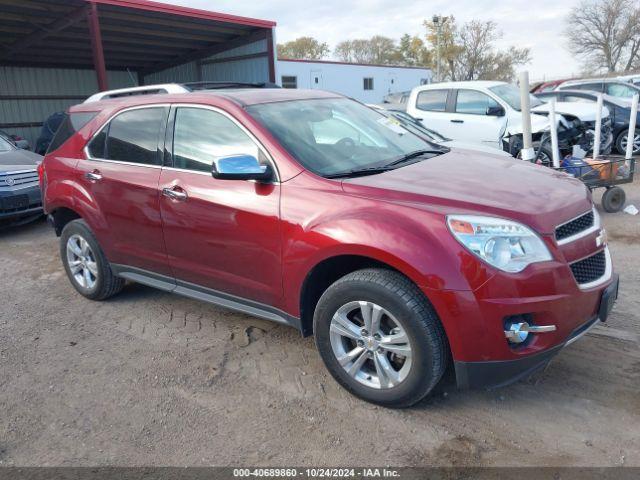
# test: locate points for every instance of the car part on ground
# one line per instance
(20, 199)
(347, 237)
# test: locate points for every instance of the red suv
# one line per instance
(400, 256)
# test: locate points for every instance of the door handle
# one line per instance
(175, 193)
(94, 176)
(457, 121)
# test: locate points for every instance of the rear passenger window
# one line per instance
(432, 100)
(201, 135)
(69, 126)
(131, 136)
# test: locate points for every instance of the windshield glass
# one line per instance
(511, 94)
(331, 136)
(5, 146)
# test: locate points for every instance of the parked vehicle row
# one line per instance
(304, 207)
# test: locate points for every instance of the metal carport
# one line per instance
(55, 53)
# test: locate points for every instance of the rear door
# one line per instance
(431, 108)
(222, 235)
(121, 178)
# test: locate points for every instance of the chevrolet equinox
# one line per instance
(307, 208)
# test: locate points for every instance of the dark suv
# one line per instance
(310, 209)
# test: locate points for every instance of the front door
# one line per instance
(220, 234)
(472, 119)
(121, 178)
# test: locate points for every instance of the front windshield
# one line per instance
(336, 135)
(511, 94)
(5, 146)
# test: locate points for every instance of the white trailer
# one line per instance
(366, 83)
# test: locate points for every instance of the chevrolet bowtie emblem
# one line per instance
(601, 239)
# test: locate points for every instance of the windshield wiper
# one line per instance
(359, 172)
(410, 156)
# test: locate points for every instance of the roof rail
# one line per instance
(145, 90)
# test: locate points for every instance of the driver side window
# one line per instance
(201, 135)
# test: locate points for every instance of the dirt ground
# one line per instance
(150, 378)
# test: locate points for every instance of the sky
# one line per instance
(535, 24)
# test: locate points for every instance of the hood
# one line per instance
(463, 181)
(586, 112)
(476, 147)
(539, 123)
(19, 160)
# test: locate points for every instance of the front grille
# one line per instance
(590, 269)
(575, 226)
(21, 179)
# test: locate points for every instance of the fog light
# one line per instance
(517, 333)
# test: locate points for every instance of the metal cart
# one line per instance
(607, 172)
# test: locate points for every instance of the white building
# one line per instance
(366, 83)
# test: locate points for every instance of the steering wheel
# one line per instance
(346, 144)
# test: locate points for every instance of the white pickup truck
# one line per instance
(489, 112)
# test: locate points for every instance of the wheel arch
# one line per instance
(61, 216)
(327, 271)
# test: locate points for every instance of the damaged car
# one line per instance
(489, 112)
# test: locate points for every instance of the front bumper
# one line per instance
(20, 205)
(495, 374)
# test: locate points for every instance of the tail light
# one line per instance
(41, 172)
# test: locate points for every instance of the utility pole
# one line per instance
(439, 22)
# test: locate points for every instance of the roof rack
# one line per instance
(174, 88)
(212, 85)
(145, 90)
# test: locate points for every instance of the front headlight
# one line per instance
(507, 245)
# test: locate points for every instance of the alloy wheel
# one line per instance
(370, 344)
(636, 143)
(82, 262)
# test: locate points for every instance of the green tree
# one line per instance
(303, 48)
(413, 51)
(375, 50)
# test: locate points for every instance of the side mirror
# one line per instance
(240, 167)
(496, 111)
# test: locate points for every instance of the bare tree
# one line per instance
(468, 52)
(606, 34)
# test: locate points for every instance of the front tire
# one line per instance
(380, 338)
(621, 142)
(87, 268)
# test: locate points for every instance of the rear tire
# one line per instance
(403, 356)
(613, 199)
(87, 268)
